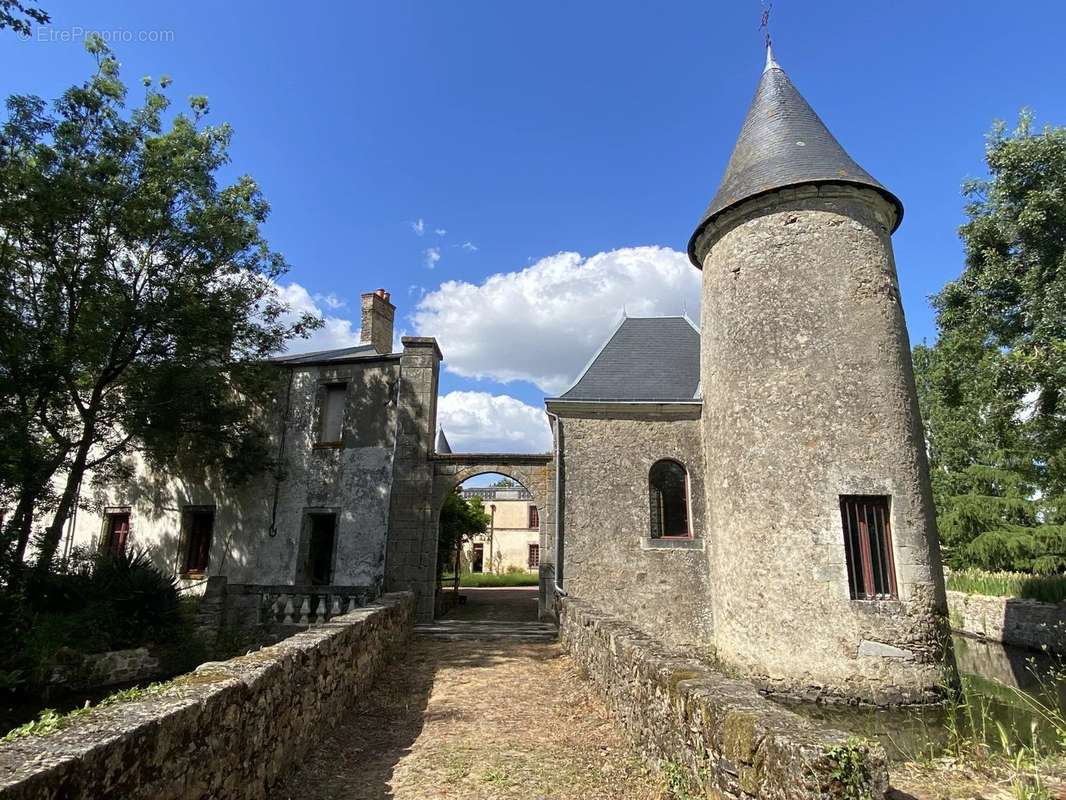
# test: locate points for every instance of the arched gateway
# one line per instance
(412, 552)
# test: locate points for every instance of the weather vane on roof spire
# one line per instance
(764, 24)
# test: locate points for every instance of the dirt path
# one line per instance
(470, 719)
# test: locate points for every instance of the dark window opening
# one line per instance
(534, 517)
(534, 556)
(201, 525)
(118, 532)
(477, 558)
(331, 423)
(868, 546)
(320, 549)
(668, 485)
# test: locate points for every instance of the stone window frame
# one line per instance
(184, 539)
(303, 551)
(690, 534)
(104, 541)
(887, 553)
(321, 397)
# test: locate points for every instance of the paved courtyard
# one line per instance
(478, 716)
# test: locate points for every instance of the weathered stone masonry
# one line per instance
(659, 585)
(230, 729)
(721, 731)
(1021, 623)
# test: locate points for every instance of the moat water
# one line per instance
(995, 676)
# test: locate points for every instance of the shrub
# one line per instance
(1048, 588)
(106, 602)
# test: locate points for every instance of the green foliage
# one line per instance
(50, 720)
(1048, 589)
(991, 387)
(139, 299)
(19, 17)
(460, 520)
(849, 773)
(109, 603)
(491, 579)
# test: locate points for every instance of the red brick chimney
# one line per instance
(376, 325)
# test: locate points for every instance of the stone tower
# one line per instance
(823, 553)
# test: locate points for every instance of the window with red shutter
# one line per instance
(868, 546)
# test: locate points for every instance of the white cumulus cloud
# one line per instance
(479, 422)
(418, 226)
(432, 255)
(335, 332)
(544, 322)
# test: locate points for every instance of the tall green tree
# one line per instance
(992, 386)
(139, 297)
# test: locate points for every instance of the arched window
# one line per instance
(668, 485)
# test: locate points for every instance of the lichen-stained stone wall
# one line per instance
(230, 729)
(1010, 620)
(659, 586)
(809, 395)
(733, 742)
(261, 528)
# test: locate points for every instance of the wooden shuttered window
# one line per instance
(118, 532)
(534, 517)
(867, 527)
(534, 556)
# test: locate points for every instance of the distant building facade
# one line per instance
(513, 539)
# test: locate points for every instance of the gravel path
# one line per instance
(471, 719)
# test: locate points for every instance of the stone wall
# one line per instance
(609, 560)
(809, 395)
(731, 740)
(99, 670)
(230, 729)
(261, 529)
(1010, 620)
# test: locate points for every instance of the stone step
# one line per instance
(488, 630)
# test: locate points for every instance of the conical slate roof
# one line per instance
(783, 143)
(442, 443)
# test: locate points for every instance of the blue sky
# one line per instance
(565, 148)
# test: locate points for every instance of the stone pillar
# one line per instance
(411, 550)
(809, 395)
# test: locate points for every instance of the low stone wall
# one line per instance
(228, 730)
(1010, 620)
(731, 740)
(99, 670)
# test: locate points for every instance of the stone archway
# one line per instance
(535, 472)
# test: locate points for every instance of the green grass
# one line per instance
(477, 580)
(50, 720)
(1048, 588)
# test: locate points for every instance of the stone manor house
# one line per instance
(755, 490)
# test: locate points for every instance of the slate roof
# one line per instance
(321, 356)
(650, 359)
(442, 443)
(783, 143)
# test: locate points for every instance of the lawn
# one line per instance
(488, 579)
(1048, 588)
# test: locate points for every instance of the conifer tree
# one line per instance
(992, 386)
